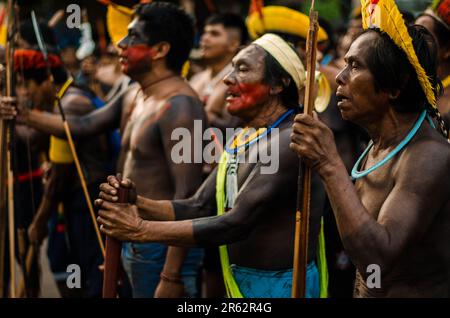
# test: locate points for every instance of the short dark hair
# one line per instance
(274, 74)
(392, 70)
(232, 21)
(165, 22)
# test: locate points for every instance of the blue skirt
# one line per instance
(255, 283)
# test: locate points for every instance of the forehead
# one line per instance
(426, 21)
(215, 27)
(251, 54)
(136, 25)
(362, 45)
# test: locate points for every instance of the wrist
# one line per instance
(330, 169)
(171, 278)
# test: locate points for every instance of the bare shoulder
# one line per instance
(426, 158)
(76, 102)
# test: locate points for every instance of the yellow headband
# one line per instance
(384, 15)
(285, 55)
(281, 19)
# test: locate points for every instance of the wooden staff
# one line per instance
(112, 257)
(304, 188)
(9, 143)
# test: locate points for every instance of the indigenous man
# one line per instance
(222, 36)
(394, 222)
(437, 20)
(254, 211)
(32, 67)
(293, 27)
(158, 43)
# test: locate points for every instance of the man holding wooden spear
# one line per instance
(239, 205)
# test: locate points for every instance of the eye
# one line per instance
(354, 65)
(242, 68)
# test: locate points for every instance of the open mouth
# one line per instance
(232, 95)
(341, 99)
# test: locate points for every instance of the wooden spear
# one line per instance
(9, 143)
(304, 181)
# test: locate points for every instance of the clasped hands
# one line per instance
(119, 220)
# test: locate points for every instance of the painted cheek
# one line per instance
(250, 95)
(137, 55)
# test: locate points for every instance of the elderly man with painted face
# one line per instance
(242, 207)
(394, 221)
(158, 43)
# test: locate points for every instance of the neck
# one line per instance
(266, 115)
(152, 81)
(217, 66)
(391, 129)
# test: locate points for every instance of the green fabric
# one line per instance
(230, 284)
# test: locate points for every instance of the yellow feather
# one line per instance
(117, 20)
(281, 19)
(386, 16)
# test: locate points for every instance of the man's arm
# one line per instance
(405, 214)
(230, 227)
(201, 204)
(100, 120)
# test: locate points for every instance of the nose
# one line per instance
(123, 44)
(342, 76)
(229, 79)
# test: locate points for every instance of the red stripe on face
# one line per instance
(137, 57)
(245, 96)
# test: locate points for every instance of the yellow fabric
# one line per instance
(446, 82)
(281, 19)
(117, 20)
(385, 16)
(285, 55)
(59, 151)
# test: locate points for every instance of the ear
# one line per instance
(278, 89)
(161, 50)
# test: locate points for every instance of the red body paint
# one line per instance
(136, 58)
(245, 96)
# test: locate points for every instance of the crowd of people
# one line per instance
(377, 144)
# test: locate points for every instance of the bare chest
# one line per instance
(142, 136)
(374, 188)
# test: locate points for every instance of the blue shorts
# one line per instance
(144, 262)
(255, 283)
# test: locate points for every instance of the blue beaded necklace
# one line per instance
(359, 174)
(265, 133)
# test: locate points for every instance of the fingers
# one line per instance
(113, 181)
(8, 112)
(108, 193)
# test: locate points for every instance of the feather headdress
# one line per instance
(384, 15)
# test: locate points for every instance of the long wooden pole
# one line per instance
(9, 143)
(304, 190)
